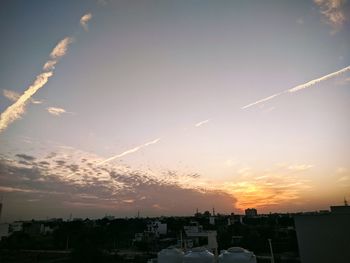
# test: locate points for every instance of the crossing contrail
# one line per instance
(17, 109)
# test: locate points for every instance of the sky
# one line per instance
(163, 107)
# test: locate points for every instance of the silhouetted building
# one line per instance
(197, 237)
(324, 237)
(157, 227)
(16, 226)
(251, 212)
(4, 230)
(340, 209)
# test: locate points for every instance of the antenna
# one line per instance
(2, 197)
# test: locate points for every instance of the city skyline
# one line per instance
(165, 107)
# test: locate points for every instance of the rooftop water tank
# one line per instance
(237, 255)
(199, 255)
(170, 255)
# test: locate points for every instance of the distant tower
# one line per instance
(345, 202)
(138, 214)
(0, 207)
(213, 211)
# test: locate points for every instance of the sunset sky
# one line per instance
(162, 107)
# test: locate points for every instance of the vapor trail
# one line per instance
(135, 149)
(313, 82)
(17, 109)
(300, 87)
(262, 100)
(199, 124)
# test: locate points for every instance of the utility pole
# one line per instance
(181, 238)
(1, 202)
(271, 251)
(67, 243)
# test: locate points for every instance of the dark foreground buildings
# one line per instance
(324, 237)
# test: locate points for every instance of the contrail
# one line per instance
(135, 149)
(313, 82)
(300, 87)
(199, 124)
(61, 48)
(17, 109)
(262, 100)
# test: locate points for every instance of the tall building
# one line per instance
(251, 212)
(324, 237)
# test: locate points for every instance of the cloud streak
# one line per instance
(300, 87)
(56, 111)
(84, 21)
(17, 109)
(133, 150)
(61, 48)
(199, 124)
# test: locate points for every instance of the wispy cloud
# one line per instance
(343, 178)
(84, 21)
(333, 12)
(14, 96)
(135, 149)
(61, 48)
(17, 109)
(50, 65)
(300, 87)
(341, 170)
(199, 124)
(300, 167)
(11, 95)
(56, 111)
